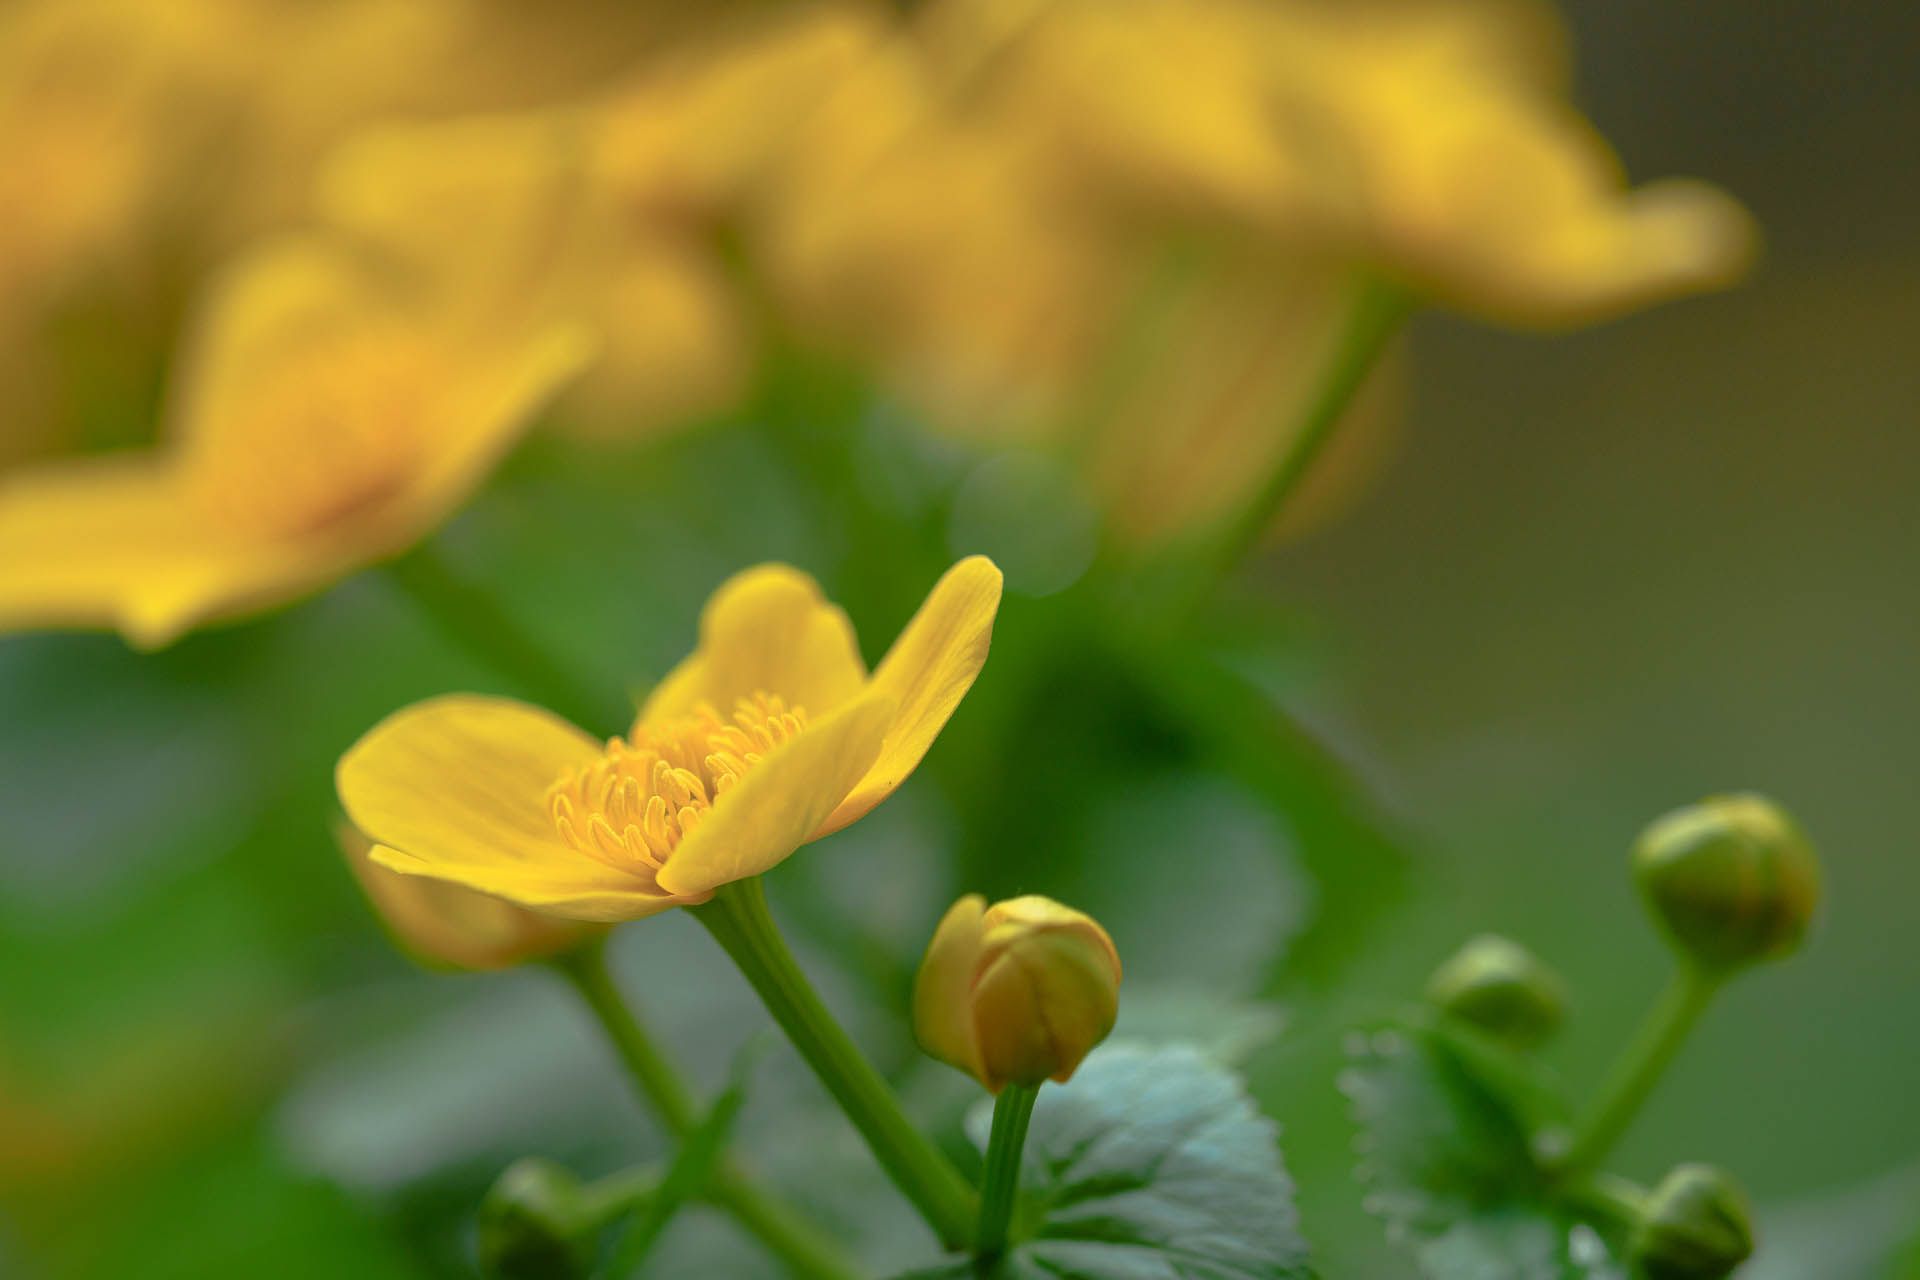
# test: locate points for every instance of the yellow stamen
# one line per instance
(633, 806)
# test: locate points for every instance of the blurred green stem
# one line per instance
(1001, 1179)
(786, 1235)
(473, 620)
(1618, 1201)
(1639, 1068)
(739, 921)
(1375, 311)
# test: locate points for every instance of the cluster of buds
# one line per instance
(1731, 882)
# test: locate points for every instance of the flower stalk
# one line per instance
(1639, 1067)
(804, 1252)
(1375, 313)
(1000, 1181)
(740, 922)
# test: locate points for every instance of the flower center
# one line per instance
(633, 806)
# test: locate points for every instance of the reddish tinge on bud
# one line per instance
(1017, 992)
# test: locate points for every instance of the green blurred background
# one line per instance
(1601, 575)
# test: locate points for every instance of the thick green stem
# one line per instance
(785, 1234)
(474, 621)
(739, 921)
(1001, 1178)
(1374, 315)
(1639, 1067)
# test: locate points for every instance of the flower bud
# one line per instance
(1016, 993)
(1499, 987)
(535, 1224)
(448, 926)
(1696, 1226)
(1732, 879)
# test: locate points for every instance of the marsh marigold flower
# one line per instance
(1147, 219)
(1017, 992)
(443, 924)
(772, 733)
(323, 421)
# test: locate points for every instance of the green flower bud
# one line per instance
(1696, 1226)
(536, 1224)
(1732, 879)
(1501, 988)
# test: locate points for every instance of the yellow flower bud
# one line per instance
(1732, 879)
(447, 925)
(1502, 989)
(1017, 992)
(1696, 1226)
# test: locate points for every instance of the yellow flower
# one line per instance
(443, 924)
(1017, 992)
(1430, 141)
(323, 420)
(770, 734)
(1147, 218)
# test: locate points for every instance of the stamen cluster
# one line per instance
(634, 806)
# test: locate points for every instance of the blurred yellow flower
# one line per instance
(1017, 992)
(442, 924)
(769, 735)
(505, 214)
(149, 141)
(323, 419)
(1133, 230)
(611, 207)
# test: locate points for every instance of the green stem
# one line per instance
(1001, 1178)
(1374, 314)
(618, 1193)
(785, 1234)
(1614, 1200)
(473, 620)
(586, 968)
(1639, 1068)
(739, 921)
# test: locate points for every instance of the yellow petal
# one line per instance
(118, 542)
(455, 788)
(928, 670)
(942, 991)
(766, 630)
(446, 924)
(777, 805)
(320, 403)
(496, 392)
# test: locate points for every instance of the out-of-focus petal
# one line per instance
(119, 543)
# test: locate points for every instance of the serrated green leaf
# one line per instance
(1446, 1119)
(1153, 1164)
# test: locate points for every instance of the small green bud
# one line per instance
(1696, 1226)
(1732, 879)
(535, 1224)
(1501, 988)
